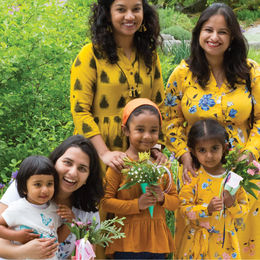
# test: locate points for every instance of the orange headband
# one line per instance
(135, 103)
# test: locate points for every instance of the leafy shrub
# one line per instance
(168, 17)
(171, 58)
(178, 32)
(39, 40)
(248, 15)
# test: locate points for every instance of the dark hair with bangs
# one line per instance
(140, 110)
(145, 42)
(204, 130)
(235, 57)
(35, 165)
(88, 196)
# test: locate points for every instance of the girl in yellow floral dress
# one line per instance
(217, 81)
(209, 212)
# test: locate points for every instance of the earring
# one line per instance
(229, 49)
(109, 28)
(142, 28)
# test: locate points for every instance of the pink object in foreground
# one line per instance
(251, 172)
(256, 164)
(84, 250)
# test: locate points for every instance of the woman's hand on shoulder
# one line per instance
(249, 157)
(188, 166)
(65, 213)
(114, 160)
(159, 157)
(39, 248)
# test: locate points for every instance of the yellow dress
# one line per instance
(143, 233)
(186, 102)
(100, 91)
(203, 235)
(249, 229)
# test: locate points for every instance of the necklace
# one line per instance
(133, 91)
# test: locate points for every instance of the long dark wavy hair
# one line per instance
(88, 196)
(235, 63)
(102, 37)
(206, 129)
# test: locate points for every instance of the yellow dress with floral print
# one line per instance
(186, 102)
(100, 91)
(209, 236)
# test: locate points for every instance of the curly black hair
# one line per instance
(235, 57)
(145, 42)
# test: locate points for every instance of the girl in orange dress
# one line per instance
(146, 237)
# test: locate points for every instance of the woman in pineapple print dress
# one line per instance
(208, 211)
(120, 64)
(217, 81)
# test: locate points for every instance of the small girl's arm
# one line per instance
(187, 196)
(23, 236)
(67, 215)
(63, 232)
(110, 203)
(240, 207)
(168, 199)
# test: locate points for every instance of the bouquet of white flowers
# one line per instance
(144, 172)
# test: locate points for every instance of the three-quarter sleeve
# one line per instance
(83, 83)
(253, 142)
(174, 119)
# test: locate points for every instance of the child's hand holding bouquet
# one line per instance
(148, 175)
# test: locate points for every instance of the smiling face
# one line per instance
(143, 132)
(215, 37)
(40, 189)
(209, 153)
(126, 17)
(73, 170)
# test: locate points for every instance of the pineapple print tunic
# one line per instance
(100, 90)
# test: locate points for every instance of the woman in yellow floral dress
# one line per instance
(217, 81)
(119, 65)
(209, 211)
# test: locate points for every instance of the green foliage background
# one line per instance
(38, 43)
(39, 39)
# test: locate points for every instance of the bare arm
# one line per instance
(36, 248)
(22, 236)
(112, 159)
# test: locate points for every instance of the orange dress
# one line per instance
(143, 233)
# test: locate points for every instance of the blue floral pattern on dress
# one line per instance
(172, 139)
(193, 109)
(232, 113)
(205, 185)
(206, 102)
(170, 100)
